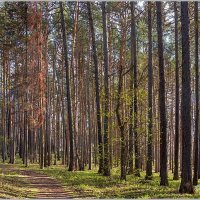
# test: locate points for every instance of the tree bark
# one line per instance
(176, 144)
(121, 127)
(162, 107)
(186, 175)
(100, 142)
(196, 137)
(70, 123)
(131, 90)
(135, 100)
(106, 99)
(150, 100)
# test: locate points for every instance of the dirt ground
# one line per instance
(47, 187)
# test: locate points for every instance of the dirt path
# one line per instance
(46, 187)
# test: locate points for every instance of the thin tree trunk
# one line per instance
(106, 99)
(121, 127)
(150, 100)
(26, 95)
(162, 107)
(176, 144)
(100, 143)
(70, 123)
(131, 90)
(135, 100)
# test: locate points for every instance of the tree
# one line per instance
(135, 102)
(176, 144)
(162, 107)
(186, 175)
(94, 84)
(98, 112)
(121, 120)
(25, 158)
(150, 90)
(106, 99)
(131, 90)
(121, 126)
(196, 137)
(70, 123)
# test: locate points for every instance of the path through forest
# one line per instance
(46, 187)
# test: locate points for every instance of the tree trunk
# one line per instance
(186, 175)
(100, 143)
(135, 102)
(70, 125)
(196, 137)
(121, 127)
(106, 99)
(150, 100)
(176, 144)
(26, 95)
(131, 90)
(162, 108)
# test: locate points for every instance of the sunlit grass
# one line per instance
(13, 185)
(91, 184)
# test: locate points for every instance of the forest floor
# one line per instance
(16, 181)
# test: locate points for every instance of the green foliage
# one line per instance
(91, 184)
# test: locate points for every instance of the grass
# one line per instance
(91, 184)
(13, 185)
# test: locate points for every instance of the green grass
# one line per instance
(91, 184)
(13, 185)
